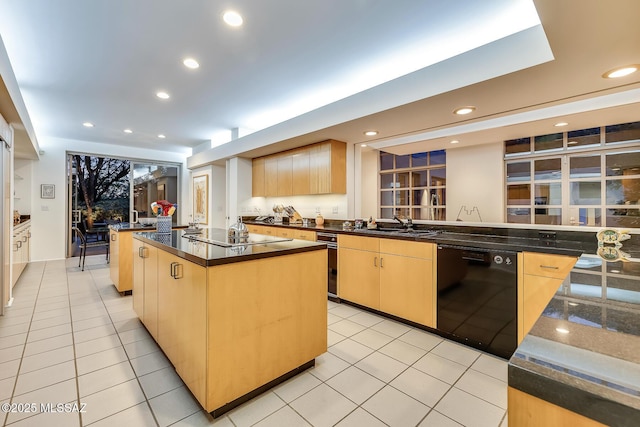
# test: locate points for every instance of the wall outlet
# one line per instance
(335, 209)
(547, 235)
(318, 209)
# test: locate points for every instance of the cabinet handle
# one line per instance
(19, 244)
(140, 252)
(17, 247)
(29, 234)
(381, 261)
(113, 237)
(176, 274)
(550, 267)
(24, 238)
(375, 261)
(171, 266)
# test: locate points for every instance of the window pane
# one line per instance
(439, 214)
(438, 197)
(402, 197)
(623, 191)
(580, 138)
(386, 180)
(519, 215)
(623, 218)
(622, 132)
(520, 171)
(402, 179)
(620, 164)
(547, 142)
(402, 212)
(584, 167)
(547, 169)
(520, 145)
(419, 178)
(386, 213)
(386, 161)
(549, 216)
(438, 157)
(589, 216)
(439, 176)
(519, 194)
(386, 198)
(419, 159)
(548, 194)
(420, 197)
(402, 161)
(585, 193)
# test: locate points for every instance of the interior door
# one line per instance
(151, 182)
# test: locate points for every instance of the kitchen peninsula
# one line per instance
(234, 319)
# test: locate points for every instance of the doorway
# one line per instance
(106, 190)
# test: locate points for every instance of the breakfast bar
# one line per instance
(233, 318)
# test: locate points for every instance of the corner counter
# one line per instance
(233, 321)
(580, 363)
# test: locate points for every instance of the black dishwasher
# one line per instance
(478, 298)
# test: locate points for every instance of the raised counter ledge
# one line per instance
(583, 353)
(127, 226)
(208, 255)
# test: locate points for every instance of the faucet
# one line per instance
(408, 225)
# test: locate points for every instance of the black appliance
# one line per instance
(331, 240)
(478, 298)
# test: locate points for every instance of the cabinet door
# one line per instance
(125, 262)
(182, 322)
(138, 279)
(271, 176)
(320, 169)
(406, 288)
(257, 178)
(285, 175)
(359, 277)
(300, 172)
(537, 291)
(114, 258)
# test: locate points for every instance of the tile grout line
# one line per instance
(127, 354)
(24, 348)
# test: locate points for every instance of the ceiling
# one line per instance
(296, 73)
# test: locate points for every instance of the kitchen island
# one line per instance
(234, 319)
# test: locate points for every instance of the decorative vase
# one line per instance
(319, 220)
(163, 225)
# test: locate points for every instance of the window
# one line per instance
(585, 180)
(413, 186)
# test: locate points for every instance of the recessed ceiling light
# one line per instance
(621, 72)
(128, 131)
(87, 124)
(572, 142)
(232, 18)
(162, 95)
(161, 136)
(560, 124)
(363, 145)
(371, 133)
(464, 110)
(455, 141)
(191, 63)
(562, 330)
(574, 304)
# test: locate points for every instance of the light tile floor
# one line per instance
(69, 337)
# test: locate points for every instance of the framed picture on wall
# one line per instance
(47, 191)
(201, 198)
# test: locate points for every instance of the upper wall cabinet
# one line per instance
(315, 169)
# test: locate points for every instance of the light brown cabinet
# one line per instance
(392, 276)
(540, 276)
(291, 233)
(21, 250)
(315, 169)
(182, 290)
(121, 260)
(145, 285)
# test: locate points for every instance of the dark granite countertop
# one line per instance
(583, 353)
(127, 226)
(572, 243)
(199, 252)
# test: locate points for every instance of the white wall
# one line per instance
(475, 178)
(48, 216)
(22, 186)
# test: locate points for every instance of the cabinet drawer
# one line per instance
(555, 266)
(361, 243)
(304, 235)
(406, 248)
